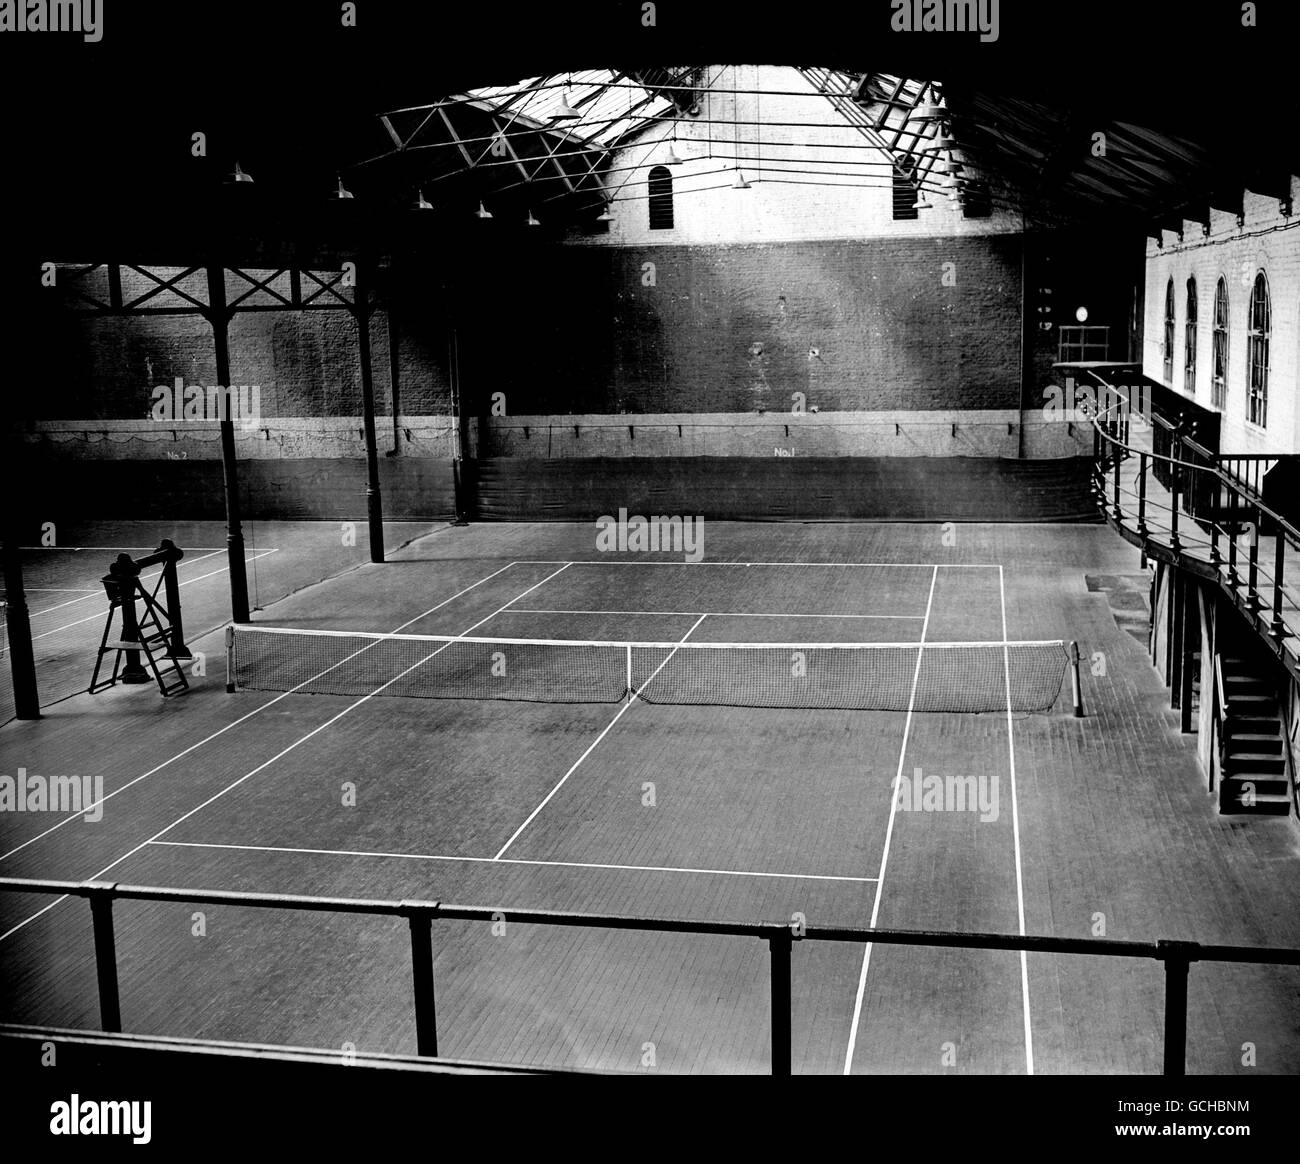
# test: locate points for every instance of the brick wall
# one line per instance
(854, 324)
(752, 297)
(1269, 242)
(305, 363)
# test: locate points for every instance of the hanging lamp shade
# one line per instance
(739, 183)
(604, 215)
(342, 192)
(421, 202)
(671, 158)
(532, 220)
(238, 175)
(482, 211)
(566, 111)
(928, 112)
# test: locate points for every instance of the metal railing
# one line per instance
(1220, 721)
(1177, 956)
(1222, 508)
(1249, 469)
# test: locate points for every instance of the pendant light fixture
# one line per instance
(566, 111)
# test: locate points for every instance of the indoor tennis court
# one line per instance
(624, 806)
(604, 545)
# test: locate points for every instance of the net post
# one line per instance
(1074, 679)
(629, 673)
(230, 658)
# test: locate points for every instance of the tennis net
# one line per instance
(951, 677)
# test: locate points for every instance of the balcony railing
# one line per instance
(1175, 498)
(1176, 956)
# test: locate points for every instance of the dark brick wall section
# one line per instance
(808, 489)
(733, 328)
(305, 363)
(576, 329)
(301, 489)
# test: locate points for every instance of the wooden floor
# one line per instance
(757, 814)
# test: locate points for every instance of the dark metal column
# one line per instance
(22, 661)
(780, 944)
(1177, 957)
(219, 318)
(460, 499)
(374, 504)
(1191, 643)
(420, 917)
(101, 912)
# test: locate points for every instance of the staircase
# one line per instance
(1253, 756)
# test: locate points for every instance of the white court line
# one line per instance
(900, 565)
(88, 593)
(151, 549)
(889, 833)
(221, 731)
(592, 746)
(266, 764)
(200, 578)
(59, 589)
(713, 613)
(1015, 833)
(513, 861)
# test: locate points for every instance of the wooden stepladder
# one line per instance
(155, 632)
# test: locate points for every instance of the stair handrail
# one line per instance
(1187, 486)
(1289, 759)
(1220, 714)
(1292, 533)
(1219, 686)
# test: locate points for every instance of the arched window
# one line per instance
(1169, 332)
(1258, 327)
(904, 192)
(1189, 341)
(661, 198)
(1219, 382)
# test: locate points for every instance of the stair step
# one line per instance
(1262, 804)
(1244, 750)
(1260, 781)
(1256, 762)
(1255, 738)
